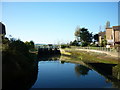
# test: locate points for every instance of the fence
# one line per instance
(99, 48)
(110, 51)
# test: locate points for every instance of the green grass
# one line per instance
(90, 57)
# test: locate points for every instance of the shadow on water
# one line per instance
(19, 78)
(110, 71)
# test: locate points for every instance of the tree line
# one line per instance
(18, 64)
(84, 38)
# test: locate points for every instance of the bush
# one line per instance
(65, 46)
(19, 46)
(93, 45)
(84, 44)
(74, 43)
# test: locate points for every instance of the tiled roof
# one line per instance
(101, 34)
(116, 27)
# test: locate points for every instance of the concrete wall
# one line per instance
(113, 34)
(117, 36)
(100, 39)
(109, 35)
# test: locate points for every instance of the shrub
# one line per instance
(84, 44)
(65, 46)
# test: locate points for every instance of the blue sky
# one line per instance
(53, 22)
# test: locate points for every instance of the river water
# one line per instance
(56, 73)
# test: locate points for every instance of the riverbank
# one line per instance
(17, 71)
(88, 56)
(18, 65)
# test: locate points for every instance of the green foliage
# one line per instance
(4, 44)
(96, 37)
(65, 46)
(104, 42)
(30, 45)
(17, 62)
(84, 44)
(18, 46)
(5, 40)
(15, 50)
(84, 35)
(74, 43)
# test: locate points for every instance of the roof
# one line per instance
(2, 28)
(108, 28)
(102, 34)
(116, 27)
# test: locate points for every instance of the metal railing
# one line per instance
(98, 48)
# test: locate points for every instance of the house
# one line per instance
(2, 34)
(2, 30)
(101, 36)
(113, 35)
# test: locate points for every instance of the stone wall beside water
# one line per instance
(48, 51)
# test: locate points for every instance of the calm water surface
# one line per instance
(54, 74)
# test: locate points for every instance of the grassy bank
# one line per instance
(88, 57)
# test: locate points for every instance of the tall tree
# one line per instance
(77, 33)
(96, 37)
(85, 35)
(30, 44)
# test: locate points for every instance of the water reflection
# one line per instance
(101, 74)
(23, 78)
(116, 74)
(110, 71)
(49, 57)
(81, 70)
(62, 70)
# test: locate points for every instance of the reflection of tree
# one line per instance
(49, 58)
(116, 74)
(62, 62)
(81, 70)
(110, 71)
(116, 71)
